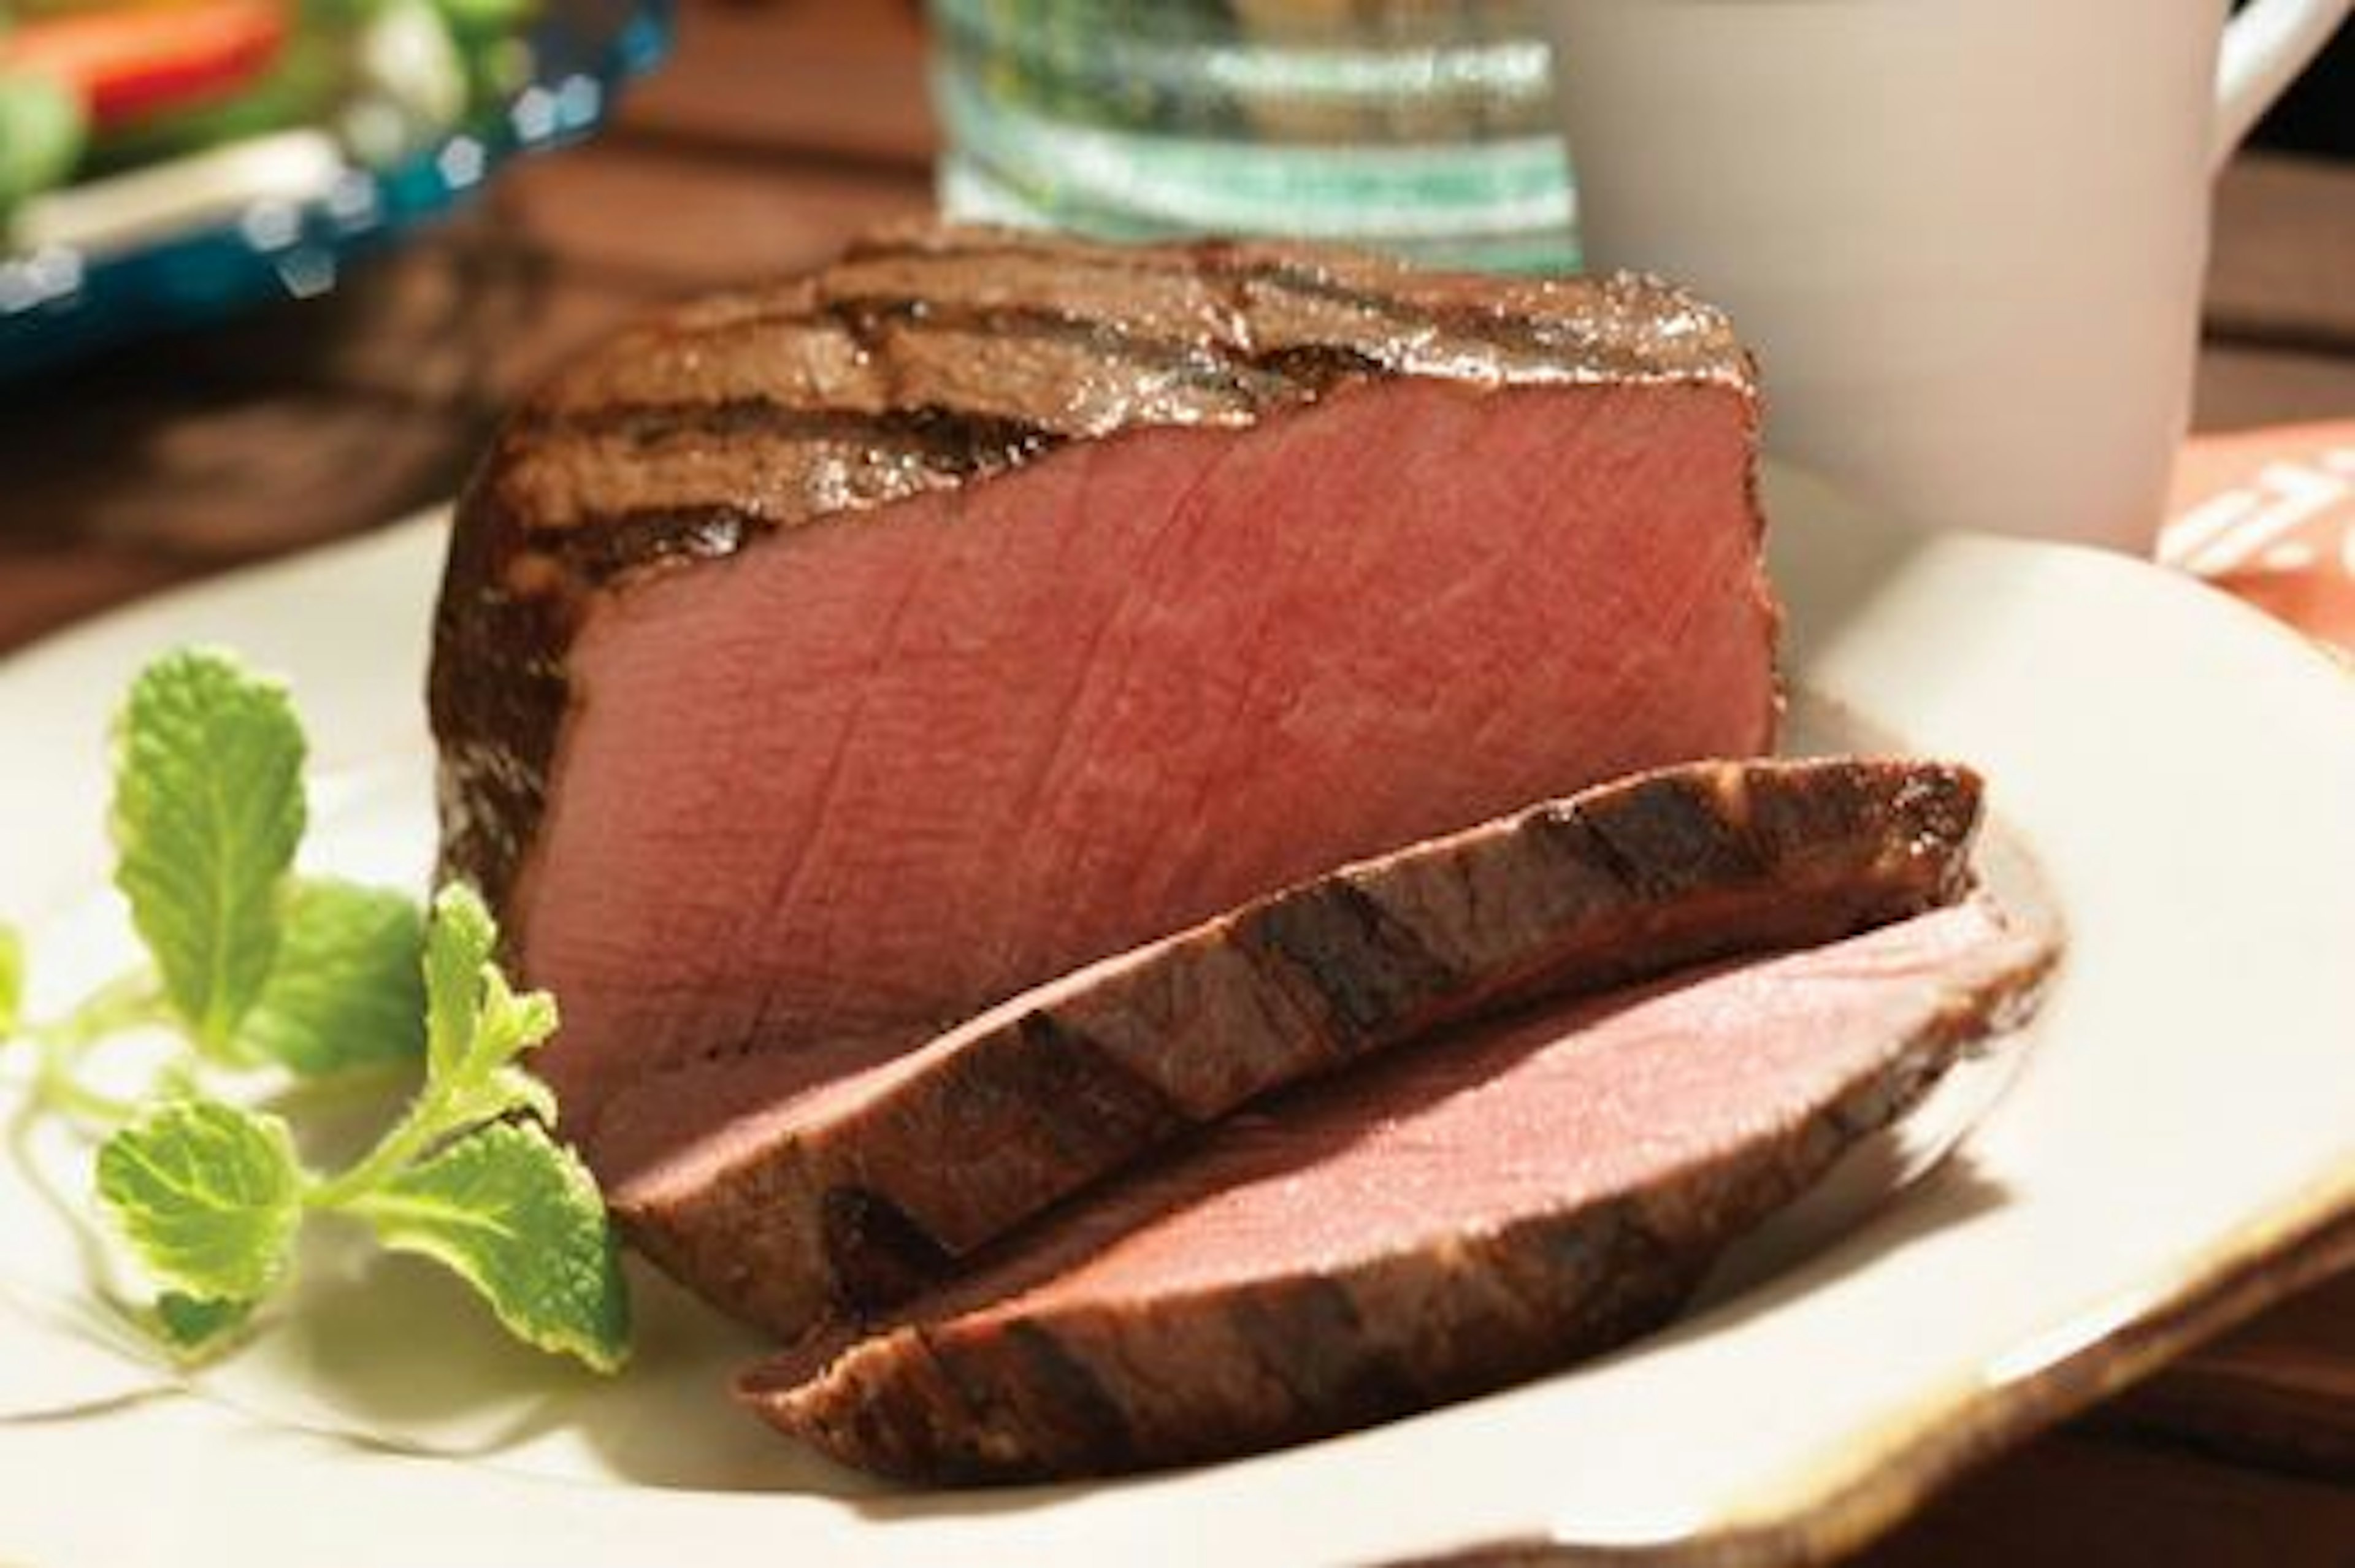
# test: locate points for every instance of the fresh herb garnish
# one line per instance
(208, 808)
(207, 1194)
(347, 990)
(262, 976)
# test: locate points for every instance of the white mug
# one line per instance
(1964, 237)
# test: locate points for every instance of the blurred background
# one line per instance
(2318, 115)
(773, 130)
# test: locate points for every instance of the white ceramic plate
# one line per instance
(2179, 1147)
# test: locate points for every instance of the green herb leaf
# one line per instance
(479, 1026)
(502, 1092)
(12, 980)
(476, 1027)
(256, 967)
(347, 990)
(459, 942)
(208, 1195)
(196, 1325)
(517, 1216)
(207, 810)
(507, 1026)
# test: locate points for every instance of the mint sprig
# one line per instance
(196, 1325)
(517, 1216)
(266, 976)
(347, 990)
(208, 808)
(209, 1196)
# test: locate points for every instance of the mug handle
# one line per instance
(2265, 49)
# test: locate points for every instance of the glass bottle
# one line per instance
(1417, 126)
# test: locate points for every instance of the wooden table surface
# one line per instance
(779, 129)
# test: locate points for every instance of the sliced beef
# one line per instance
(824, 663)
(1438, 1223)
(785, 1194)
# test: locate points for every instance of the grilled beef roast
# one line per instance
(1440, 1221)
(822, 663)
(828, 1197)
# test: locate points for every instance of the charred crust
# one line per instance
(1078, 1423)
(1317, 367)
(1084, 1389)
(1206, 364)
(1086, 1108)
(1943, 804)
(1281, 326)
(609, 544)
(955, 442)
(1310, 1339)
(1361, 965)
(1588, 317)
(495, 693)
(878, 1254)
(1687, 832)
(1038, 1102)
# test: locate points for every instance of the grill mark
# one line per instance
(869, 318)
(606, 547)
(1310, 1339)
(1201, 363)
(1320, 365)
(1599, 849)
(951, 443)
(1091, 1109)
(1361, 961)
(1402, 331)
(937, 446)
(1683, 836)
(1095, 1425)
(1219, 266)
(951, 438)
(602, 547)
(880, 1255)
(1607, 1273)
(1293, 371)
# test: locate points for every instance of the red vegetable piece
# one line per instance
(131, 65)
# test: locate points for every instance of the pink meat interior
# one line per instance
(869, 776)
(1569, 1106)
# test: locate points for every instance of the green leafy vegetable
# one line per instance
(207, 811)
(507, 1209)
(208, 1195)
(476, 1027)
(463, 941)
(42, 128)
(259, 969)
(195, 1325)
(346, 991)
(517, 1217)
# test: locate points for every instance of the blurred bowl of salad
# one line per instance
(164, 162)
